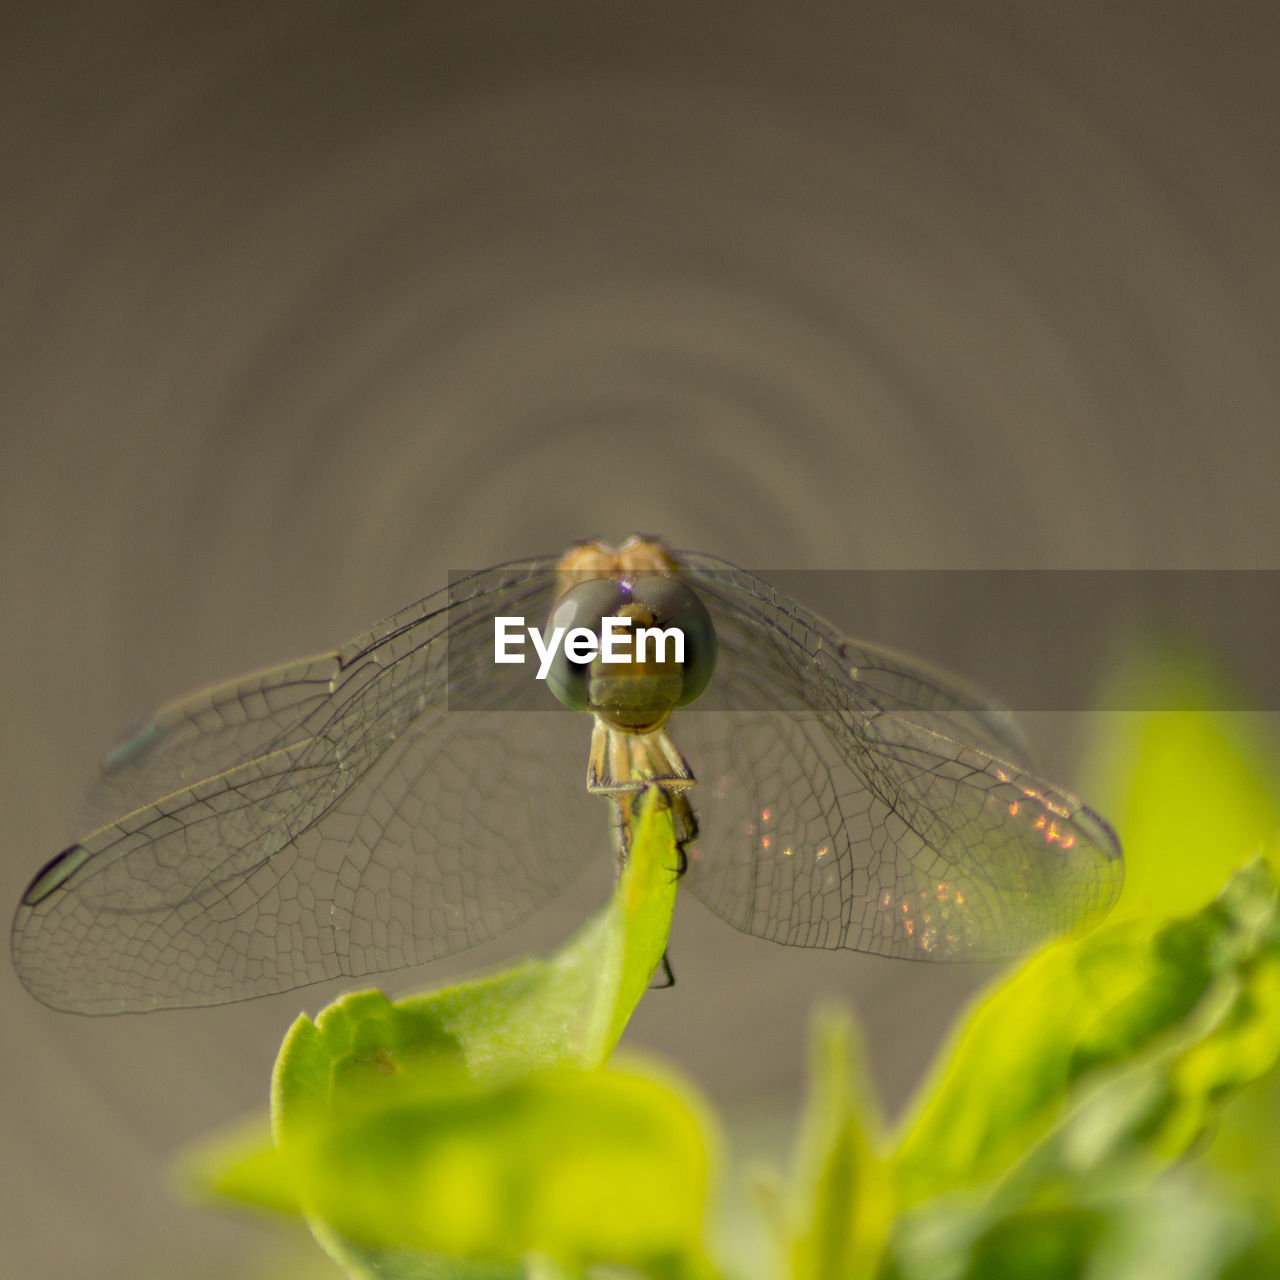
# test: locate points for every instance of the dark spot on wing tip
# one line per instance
(1102, 833)
(132, 747)
(55, 873)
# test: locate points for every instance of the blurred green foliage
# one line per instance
(1066, 1131)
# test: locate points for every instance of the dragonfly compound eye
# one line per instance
(674, 604)
(660, 653)
(583, 606)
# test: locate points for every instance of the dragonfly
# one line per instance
(407, 796)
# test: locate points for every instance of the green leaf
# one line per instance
(1242, 1152)
(1195, 796)
(366, 1051)
(1175, 1231)
(568, 1010)
(580, 1166)
(842, 1192)
(1189, 1007)
(471, 1127)
(242, 1166)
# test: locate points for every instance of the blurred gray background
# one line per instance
(306, 304)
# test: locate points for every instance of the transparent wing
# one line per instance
(392, 802)
(330, 817)
(769, 630)
(837, 823)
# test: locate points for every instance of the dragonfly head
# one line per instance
(653, 648)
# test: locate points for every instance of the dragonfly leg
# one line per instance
(663, 977)
(686, 821)
(626, 809)
(623, 767)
